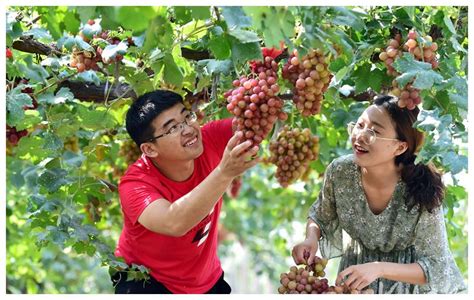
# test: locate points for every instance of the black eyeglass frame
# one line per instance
(189, 120)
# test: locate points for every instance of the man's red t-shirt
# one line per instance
(187, 264)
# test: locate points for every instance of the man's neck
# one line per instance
(175, 170)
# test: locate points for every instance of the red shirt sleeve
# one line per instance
(135, 196)
(218, 133)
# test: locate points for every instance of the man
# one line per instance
(171, 197)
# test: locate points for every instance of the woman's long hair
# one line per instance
(424, 185)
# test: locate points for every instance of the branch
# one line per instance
(91, 92)
(216, 11)
(30, 23)
(28, 44)
(364, 96)
(283, 55)
(194, 54)
(112, 187)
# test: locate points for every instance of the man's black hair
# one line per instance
(145, 109)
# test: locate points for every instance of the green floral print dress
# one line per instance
(351, 230)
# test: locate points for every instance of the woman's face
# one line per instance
(374, 139)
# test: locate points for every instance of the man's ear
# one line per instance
(402, 147)
(149, 150)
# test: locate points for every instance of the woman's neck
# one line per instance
(379, 176)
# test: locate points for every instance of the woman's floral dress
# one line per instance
(351, 230)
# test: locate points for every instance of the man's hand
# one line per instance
(360, 276)
(304, 252)
(237, 157)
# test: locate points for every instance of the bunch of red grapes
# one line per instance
(309, 280)
(254, 102)
(292, 152)
(310, 77)
(28, 90)
(344, 289)
(423, 49)
(87, 60)
(14, 136)
(9, 53)
(305, 280)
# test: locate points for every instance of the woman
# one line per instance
(390, 208)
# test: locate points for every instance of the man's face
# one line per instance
(181, 138)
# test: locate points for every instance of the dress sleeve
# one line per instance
(324, 213)
(434, 257)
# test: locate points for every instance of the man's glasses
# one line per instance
(189, 120)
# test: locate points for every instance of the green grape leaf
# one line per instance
(190, 29)
(348, 18)
(62, 96)
(219, 43)
(14, 29)
(244, 36)
(95, 118)
(16, 100)
(235, 17)
(200, 12)
(57, 236)
(39, 33)
(460, 100)
(70, 42)
(136, 18)
(90, 30)
(449, 24)
(89, 76)
(140, 82)
(72, 159)
(172, 73)
(32, 148)
(277, 23)
(159, 34)
(430, 121)
(367, 77)
(410, 10)
(52, 179)
(456, 163)
(34, 72)
(241, 53)
(71, 22)
(52, 142)
(85, 12)
(424, 76)
(111, 51)
(213, 66)
(31, 118)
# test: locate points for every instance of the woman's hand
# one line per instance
(304, 252)
(360, 276)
